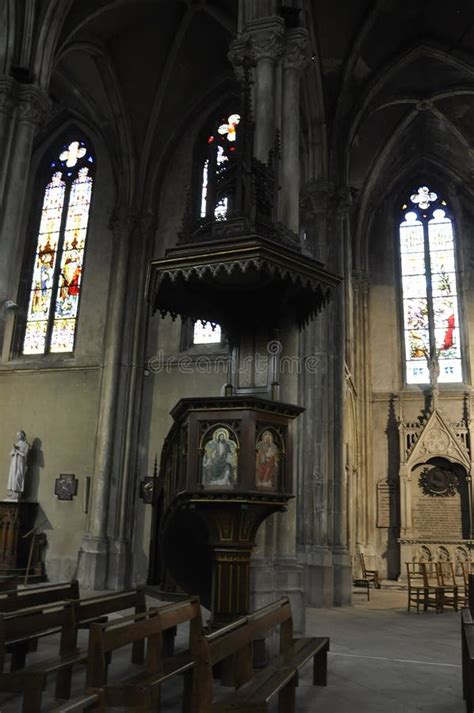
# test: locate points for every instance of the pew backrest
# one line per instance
(36, 596)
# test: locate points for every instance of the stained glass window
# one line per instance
(429, 286)
(217, 168)
(59, 257)
(206, 333)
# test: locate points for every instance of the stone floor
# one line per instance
(381, 660)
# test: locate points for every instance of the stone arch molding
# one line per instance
(437, 440)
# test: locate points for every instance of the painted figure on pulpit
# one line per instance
(219, 463)
(16, 475)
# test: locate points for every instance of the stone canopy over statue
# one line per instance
(16, 475)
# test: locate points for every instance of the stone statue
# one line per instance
(16, 475)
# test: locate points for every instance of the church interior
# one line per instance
(236, 309)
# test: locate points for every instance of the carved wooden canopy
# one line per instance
(239, 282)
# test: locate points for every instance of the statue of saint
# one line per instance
(16, 475)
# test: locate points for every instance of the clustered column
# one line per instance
(23, 108)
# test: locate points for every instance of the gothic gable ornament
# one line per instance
(437, 440)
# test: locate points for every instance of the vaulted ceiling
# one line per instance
(391, 84)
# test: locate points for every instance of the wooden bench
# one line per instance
(83, 703)
(141, 692)
(278, 677)
(17, 629)
(31, 680)
(36, 596)
(8, 583)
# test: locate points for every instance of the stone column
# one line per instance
(133, 350)
(95, 543)
(7, 102)
(267, 47)
(362, 376)
(314, 467)
(342, 563)
(295, 59)
(31, 108)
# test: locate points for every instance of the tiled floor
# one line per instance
(382, 660)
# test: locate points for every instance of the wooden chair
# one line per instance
(362, 584)
(447, 580)
(421, 592)
(462, 580)
(370, 575)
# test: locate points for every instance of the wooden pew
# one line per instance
(278, 677)
(31, 680)
(85, 612)
(17, 629)
(233, 643)
(141, 692)
(8, 583)
(36, 596)
(83, 703)
(467, 648)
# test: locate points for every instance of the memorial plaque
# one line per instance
(386, 504)
(438, 517)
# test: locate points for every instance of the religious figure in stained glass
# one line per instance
(217, 168)
(56, 282)
(429, 285)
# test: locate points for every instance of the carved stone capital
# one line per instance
(316, 197)
(34, 105)
(240, 50)
(296, 55)
(267, 46)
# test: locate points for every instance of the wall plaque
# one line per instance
(437, 517)
(387, 514)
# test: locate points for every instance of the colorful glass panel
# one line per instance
(69, 285)
(44, 266)
(430, 304)
(57, 270)
(221, 150)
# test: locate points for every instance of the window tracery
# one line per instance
(55, 286)
(430, 290)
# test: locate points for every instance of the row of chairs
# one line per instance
(436, 585)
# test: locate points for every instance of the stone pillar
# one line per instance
(7, 102)
(95, 543)
(133, 350)
(341, 557)
(32, 105)
(362, 376)
(267, 47)
(295, 59)
(315, 468)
